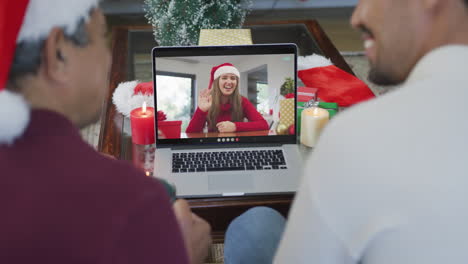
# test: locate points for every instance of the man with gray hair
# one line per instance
(387, 181)
(60, 200)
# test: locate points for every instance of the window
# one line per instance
(262, 98)
(175, 93)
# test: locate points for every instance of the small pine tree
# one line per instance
(178, 22)
(287, 87)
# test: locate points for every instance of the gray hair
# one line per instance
(27, 58)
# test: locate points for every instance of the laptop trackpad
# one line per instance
(230, 182)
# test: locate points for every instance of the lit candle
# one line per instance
(142, 122)
(313, 120)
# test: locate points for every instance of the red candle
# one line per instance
(142, 122)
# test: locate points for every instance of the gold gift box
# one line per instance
(221, 37)
(287, 112)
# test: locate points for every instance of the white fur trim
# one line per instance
(14, 116)
(43, 15)
(125, 101)
(122, 95)
(226, 69)
(312, 61)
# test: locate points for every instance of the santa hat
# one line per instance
(333, 84)
(29, 20)
(130, 95)
(221, 69)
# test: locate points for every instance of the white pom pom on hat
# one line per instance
(14, 116)
(29, 20)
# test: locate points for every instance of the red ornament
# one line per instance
(292, 130)
(161, 116)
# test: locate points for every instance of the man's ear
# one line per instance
(54, 58)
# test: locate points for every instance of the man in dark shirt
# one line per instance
(60, 200)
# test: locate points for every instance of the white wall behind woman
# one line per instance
(279, 67)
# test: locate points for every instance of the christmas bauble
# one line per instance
(292, 129)
(282, 129)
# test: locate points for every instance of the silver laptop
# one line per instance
(227, 139)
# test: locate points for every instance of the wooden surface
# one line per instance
(217, 211)
(111, 134)
(320, 37)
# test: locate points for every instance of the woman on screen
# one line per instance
(222, 107)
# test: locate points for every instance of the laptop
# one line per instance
(205, 159)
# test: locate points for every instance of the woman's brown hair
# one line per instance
(235, 99)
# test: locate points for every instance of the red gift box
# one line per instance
(170, 129)
(305, 94)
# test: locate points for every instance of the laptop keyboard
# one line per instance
(228, 161)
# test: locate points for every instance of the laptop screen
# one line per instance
(225, 94)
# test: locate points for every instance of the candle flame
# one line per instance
(148, 173)
(144, 107)
(316, 111)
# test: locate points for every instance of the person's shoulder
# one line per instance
(370, 117)
(120, 171)
(116, 177)
(245, 101)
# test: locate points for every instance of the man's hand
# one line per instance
(204, 100)
(195, 230)
(226, 126)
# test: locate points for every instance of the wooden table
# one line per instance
(115, 139)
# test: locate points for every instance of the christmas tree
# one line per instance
(178, 22)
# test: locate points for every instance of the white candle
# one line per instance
(313, 120)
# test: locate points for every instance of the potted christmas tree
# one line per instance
(178, 22)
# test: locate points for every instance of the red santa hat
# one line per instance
(221, 69)
(333, 84)
(29, 20)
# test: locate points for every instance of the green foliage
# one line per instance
(287, 87)
(178, 22)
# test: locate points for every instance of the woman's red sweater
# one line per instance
(256, 121)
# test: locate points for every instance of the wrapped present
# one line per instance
(286, 112)
(221, 37)
(332, 109)
(305, 94)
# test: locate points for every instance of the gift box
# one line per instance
(332, 109)
(286, 112)
(305, 94)
(170, 129)
(221, 37)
